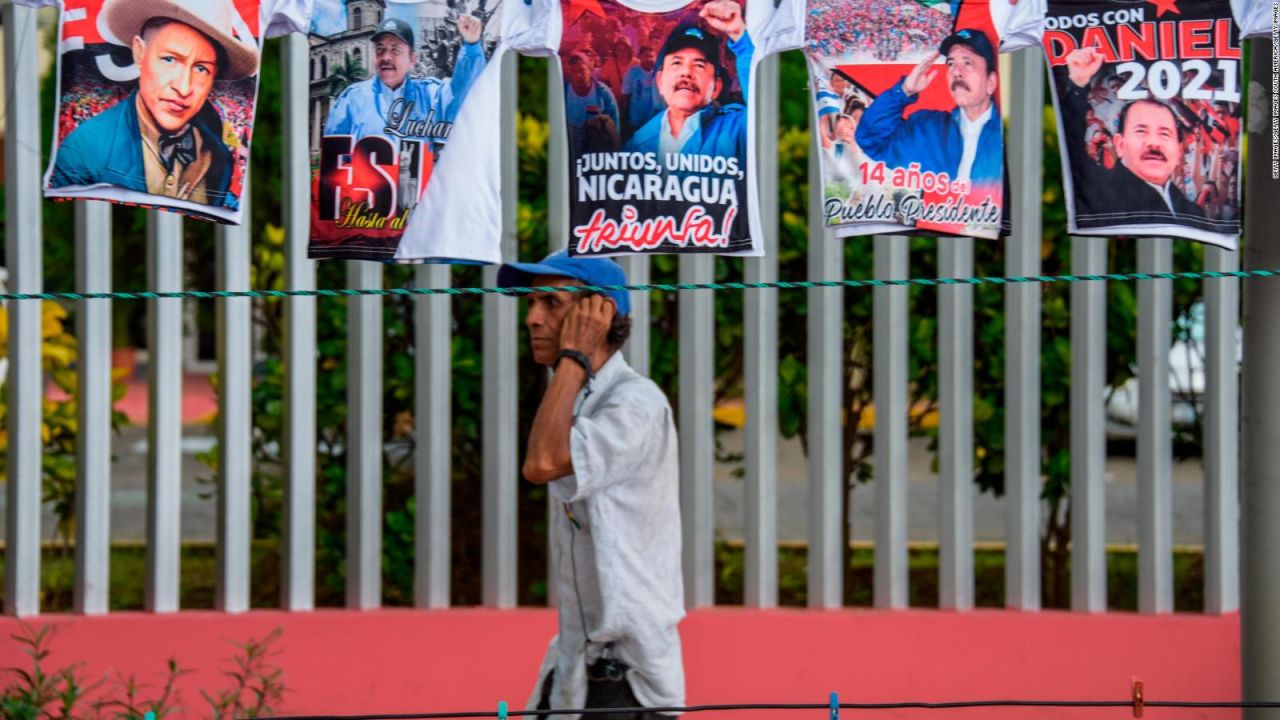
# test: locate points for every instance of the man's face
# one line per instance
(578, 70)
(176, 68)
(1148, 142)
(839, 85)
(622, 53)
(687, 80)
(970, 80)
(844, 129)
(546, 313)
(393, 58)
(646, 58)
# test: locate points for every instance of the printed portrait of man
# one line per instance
(689, 78)
(966, 142)
(1148, 144)
(165, 138)
(369, 107)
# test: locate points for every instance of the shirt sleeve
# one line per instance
(288, 16)
(775, 30)
(531, 27)
(1253, 17)
(619, 441)
(1024, 26)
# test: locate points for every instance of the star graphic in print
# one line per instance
(1164, 6)
(578, 7)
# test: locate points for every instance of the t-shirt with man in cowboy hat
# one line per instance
(164, 144)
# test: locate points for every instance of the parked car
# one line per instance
(1186, 380)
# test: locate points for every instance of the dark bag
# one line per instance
(607, 687)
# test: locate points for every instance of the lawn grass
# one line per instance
(199, 577)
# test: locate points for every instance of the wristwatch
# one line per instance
(577, 356)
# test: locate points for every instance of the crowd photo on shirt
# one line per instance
(876, 30)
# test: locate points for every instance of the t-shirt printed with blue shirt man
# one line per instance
(389, 81)
(659, 121)
(906, 99)
(156, 100)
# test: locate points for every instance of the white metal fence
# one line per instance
(696, 368)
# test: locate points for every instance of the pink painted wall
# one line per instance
(346, 662)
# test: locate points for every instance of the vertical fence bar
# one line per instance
(557, 162)
(364, 438)
(1088, 427)
(1022, 338)
(760, 314)
(1155, 452)
(636, 351)
(955, 434)
(697, 377)
(235, 450)
(825, 346)
(93, 409)
(1260, 533)
(558, 237)
(889, 390)
(1221, 436)
(24, 261)
(164, 419)
(432, 461)
(297, 586)
(501, 472)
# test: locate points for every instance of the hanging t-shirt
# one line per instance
(1148, 96)
(156, 100)
(906, 101)
(393, 83)
(670, 172)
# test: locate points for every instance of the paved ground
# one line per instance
(922, 490)
(129, 499)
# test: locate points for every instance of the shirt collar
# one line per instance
(974, 126)
(606, 377)
(151, 132)
(676, 143)
(1164, 192)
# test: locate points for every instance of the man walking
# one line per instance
(604, 443)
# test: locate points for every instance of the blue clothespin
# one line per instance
(835, 706)
(502, 710)
(151, 715)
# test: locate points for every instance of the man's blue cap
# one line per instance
(691, 36)
(587, 270)
(397, 27)
(975, 40)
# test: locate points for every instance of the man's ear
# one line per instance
(139, 49)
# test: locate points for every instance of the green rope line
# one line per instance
(779, 285)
